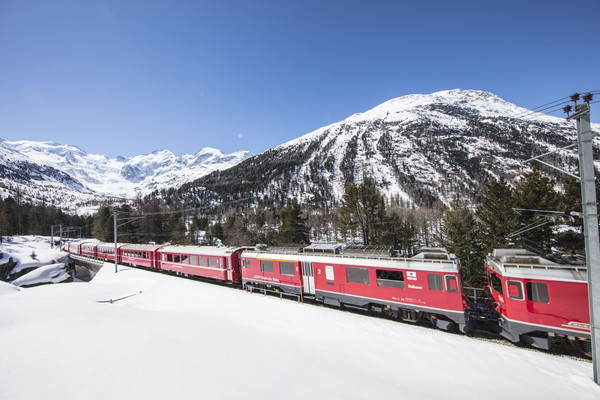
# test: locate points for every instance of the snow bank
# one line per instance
(174, 338)
(53, 273)
(31, 252)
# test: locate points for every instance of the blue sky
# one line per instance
(132, 76)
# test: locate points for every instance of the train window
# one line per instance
(170, 257)
(357, 275)
(212, 262)
(287, 268)
(393, 279)
(435, 281)
(246, 263)
(329, 273)
(177, 258)
(538, 292)
(515, 290)
(451, 284)
(193, 260)
(266, 266)
(185, 259)
(496, 283)
(202, 261)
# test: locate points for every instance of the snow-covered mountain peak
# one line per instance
(94, 177)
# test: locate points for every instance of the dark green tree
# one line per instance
(293, 227)
(363, 209)
(102, 228)
(459, 235)
(535, 194)
(496, 216)
(399, 233)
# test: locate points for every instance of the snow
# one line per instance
(53, 273)
(21, 249)
(182, 339)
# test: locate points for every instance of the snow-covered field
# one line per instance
(181, 339)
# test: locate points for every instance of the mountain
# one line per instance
(417, 149)
(77, 181)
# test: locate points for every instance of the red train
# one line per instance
(532, 299)
(540, 301)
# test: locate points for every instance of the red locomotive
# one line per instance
(540, 301)
(424, 286)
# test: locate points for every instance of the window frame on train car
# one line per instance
(329, 273)
(185, 259)
(201, 261)
(267, 266)
(212, 262)
(519, 285)
(498, 288)
(448, 279)
(194, 260)
(176, 258)
(246, 263)
(534, 296)
(169, 257)
(288, 266)
(390, 278)
(358, 275)
(435, 281)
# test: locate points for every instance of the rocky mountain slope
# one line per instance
(417, 149)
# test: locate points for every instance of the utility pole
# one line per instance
(115, 224)
(590, 223)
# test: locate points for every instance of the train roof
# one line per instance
(200, 250)
(142, 247)
(520, 263)
(427, 259)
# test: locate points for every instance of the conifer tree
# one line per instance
(293, 226)
(363, 208)
(496, 216)
(102, 228)
(459, 235)
(535, 193)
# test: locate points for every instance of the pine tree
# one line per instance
(363, 208)
(102, 228)
(399, 233)
(459, 235)
(496, 216)
(536, 193)
(293, 226)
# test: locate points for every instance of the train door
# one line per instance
(308, 277)
(229, 270)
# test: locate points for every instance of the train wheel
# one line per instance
(584, 346)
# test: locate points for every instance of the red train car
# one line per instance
(539, 301)
(426, 285)
(106, 251)
(89, 249)
(74, 247)
(141, 255)
(221, 263)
